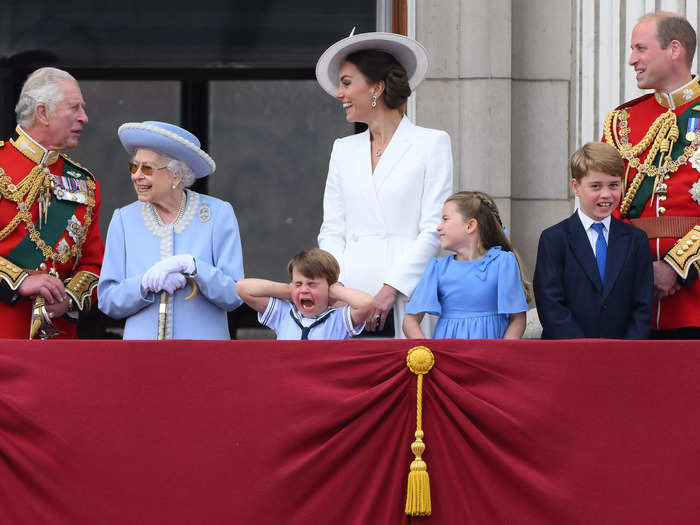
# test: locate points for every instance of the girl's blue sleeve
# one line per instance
(511, 296)
(425, 297)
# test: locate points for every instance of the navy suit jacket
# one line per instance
(572, 302)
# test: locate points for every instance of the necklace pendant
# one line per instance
(378, 153)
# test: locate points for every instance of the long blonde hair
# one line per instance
(480, 206)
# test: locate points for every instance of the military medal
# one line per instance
(70, 189)
(692, 131)
(695, 192)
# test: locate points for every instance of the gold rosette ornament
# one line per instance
(420, 360)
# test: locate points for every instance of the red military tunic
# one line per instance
(68, 240)
(662, 188)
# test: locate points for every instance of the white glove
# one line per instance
(174, 281)
(154, 278)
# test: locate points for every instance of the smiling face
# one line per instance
(65, 122)
(652, 65)
(453, 228)
(355, 92)
(598, 193)
(309, 294)
(157, 187)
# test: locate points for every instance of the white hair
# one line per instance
(177, 167)
(43, 86)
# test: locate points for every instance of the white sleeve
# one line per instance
(332, 235)
(437, 187)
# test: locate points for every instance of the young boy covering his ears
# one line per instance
(301, 309)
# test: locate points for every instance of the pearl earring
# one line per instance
(174, 186)
(374, 101)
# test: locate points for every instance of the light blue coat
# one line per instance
(136, 240)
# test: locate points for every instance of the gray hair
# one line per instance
(177, 167)
(43, 86)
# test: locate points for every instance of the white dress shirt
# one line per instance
(588, 226)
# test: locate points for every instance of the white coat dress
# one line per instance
(381, 226)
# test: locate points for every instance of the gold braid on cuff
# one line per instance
(11, 273)
(80, 289)
(685, 253)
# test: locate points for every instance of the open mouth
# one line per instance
(346, 105)
(306, 304)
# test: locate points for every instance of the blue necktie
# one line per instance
(601, 249)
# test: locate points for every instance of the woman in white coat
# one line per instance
(386, 186)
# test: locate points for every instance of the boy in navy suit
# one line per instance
(594, 274)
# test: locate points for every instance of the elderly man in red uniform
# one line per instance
(50, 245)
(658, 136)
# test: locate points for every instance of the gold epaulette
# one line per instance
(11, 273)
(80, 289)
(685, 253)
(2, 143)
(82, 168)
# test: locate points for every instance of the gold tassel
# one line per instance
(420, 360)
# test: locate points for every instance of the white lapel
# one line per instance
(398, 146)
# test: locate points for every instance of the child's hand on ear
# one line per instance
(333, 300)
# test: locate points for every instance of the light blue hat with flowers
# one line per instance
(169, 140)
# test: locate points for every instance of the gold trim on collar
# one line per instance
(31, 149)
(682, 95)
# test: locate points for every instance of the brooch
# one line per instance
(62, 248)
(695, 192)
(204, 212)
(75, 229)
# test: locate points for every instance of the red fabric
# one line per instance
(683, 308)
(183, 432)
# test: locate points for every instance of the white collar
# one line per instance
(587, 221)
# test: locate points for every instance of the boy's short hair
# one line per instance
(315, 263)
(597, 156)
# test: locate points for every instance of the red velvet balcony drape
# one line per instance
(182, 432)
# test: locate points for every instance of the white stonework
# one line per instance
(520, 85)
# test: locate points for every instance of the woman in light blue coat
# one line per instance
(173, 257)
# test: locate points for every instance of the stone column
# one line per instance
(542, 70)
(499, 84)
(468, 89)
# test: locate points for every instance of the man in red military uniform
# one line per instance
(50, 244)
(658, 136)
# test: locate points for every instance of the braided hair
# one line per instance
(481, 207)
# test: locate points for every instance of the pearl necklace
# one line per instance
(180, 211)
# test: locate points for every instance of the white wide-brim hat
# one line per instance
(169, 140)
(407, 52)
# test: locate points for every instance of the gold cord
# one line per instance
(25, 194)
(661, 137)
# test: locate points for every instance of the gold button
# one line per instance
(662, 210)
(42, 267)
(679, 252)
(694, 237)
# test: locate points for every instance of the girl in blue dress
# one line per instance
(479, 292)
